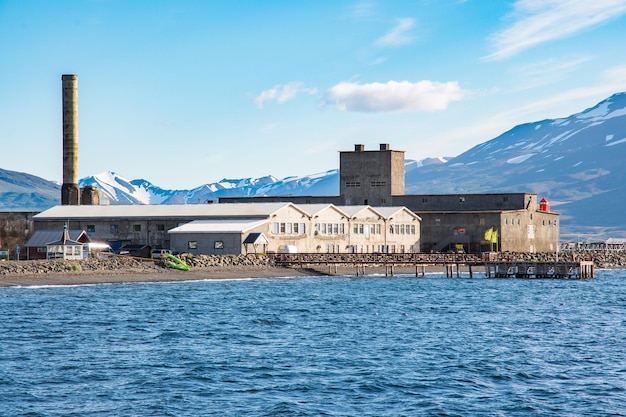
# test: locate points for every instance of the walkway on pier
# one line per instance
(452, 262)
(361, 261)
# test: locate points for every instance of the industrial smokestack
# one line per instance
(70, 193)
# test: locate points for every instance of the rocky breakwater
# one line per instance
(93, 265)
(227, 261)
(601, 259)
(122, 264)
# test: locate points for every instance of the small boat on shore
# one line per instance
(174, 262)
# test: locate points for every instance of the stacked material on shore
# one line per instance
(123, 264)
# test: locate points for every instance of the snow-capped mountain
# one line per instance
(576, 162)
(116, 189)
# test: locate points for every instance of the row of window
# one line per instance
(357, 184)
(115, 228)
(330, 228)
(402, 229)
(339, 229)
(519, 222)
(366, 229)
(289, 228)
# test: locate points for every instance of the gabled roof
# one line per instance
(256, 238)
(354, 211)
(43, 237)
(65, 240)
(313, 209)
(217, 226)
(389, 212)
(175, 211)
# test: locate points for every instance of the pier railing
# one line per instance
(398, 259)
(495, 265)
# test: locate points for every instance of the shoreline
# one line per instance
(70, 278)
(93, 271)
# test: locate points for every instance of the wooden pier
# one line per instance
(571, 270)
(452, 263)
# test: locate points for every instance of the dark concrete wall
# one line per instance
(16, 227)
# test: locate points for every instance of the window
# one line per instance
(412, 230)
(288, 228)
(160, 227)
(282, 228)
(461, 199)
(353, 184)
(302, 228)
(361, 231)
(424, 200)
(91, 228)
(192, 244)
(276, 229)
(323, 228)
(378, 183)
(335, 229)
(218, 244)
(136, 228)
(391, 229)
(383, 201)
(341, 229)
(296, 228)
(114, 228)
(505, 199)
(356, 228)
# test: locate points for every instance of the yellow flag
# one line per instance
(494, 237)
(489, 234)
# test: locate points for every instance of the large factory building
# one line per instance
(370, 214)
(513, 222)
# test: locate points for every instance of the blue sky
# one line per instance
(184, 93)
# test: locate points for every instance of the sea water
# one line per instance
(347, 346)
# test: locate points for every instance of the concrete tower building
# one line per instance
(70, 193)
(371, 177)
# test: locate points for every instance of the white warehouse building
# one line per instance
(244, 227)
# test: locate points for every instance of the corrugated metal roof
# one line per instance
(354, 210)
(392, 210)
(195, 211)
(217, 226)
(43, 237)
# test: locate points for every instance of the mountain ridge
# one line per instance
(573, 161)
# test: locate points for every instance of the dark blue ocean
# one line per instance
(366, 346)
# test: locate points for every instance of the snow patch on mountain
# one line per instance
(117, 189)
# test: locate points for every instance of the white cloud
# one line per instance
(539, 21)
(398, 35)
(282, 93)
(393, 95)
(362, 9)
(546, 72)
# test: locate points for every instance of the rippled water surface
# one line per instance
(367, 346)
